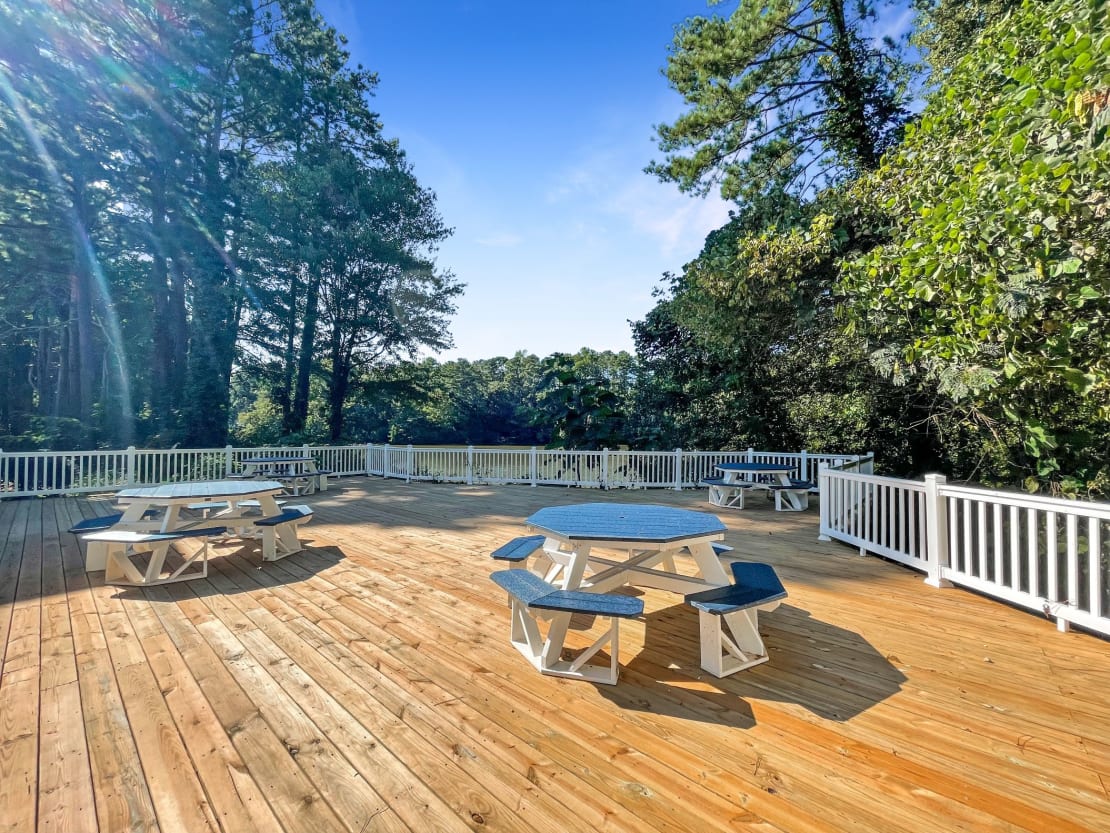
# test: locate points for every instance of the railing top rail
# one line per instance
(1065, 506)
(912, 485)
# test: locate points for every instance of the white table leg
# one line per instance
(169, 521)
(709, 565)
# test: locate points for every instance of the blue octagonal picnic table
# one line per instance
(639, 543)
(647, 535)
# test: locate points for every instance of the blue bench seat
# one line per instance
(729, 618)
(794, 484)
(533, 591)
(121, 545)
(518, 549)
(101, 522)
(290, 515)
(529, 593)
(279, 532)
(95, 524)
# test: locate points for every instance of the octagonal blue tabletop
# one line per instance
(647, 523)
(202, 490)
(755, 467)
(259, 460)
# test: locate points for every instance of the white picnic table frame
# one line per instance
(738, 476)
(573, 534)
(225, 496)
(300, 472)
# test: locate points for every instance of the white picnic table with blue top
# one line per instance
(738, 480)
(569, 576)
(153, 517)
(648, 535)
(299, 474)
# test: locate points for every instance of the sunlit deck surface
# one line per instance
(368, 684)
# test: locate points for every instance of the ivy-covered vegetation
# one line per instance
(946, 304)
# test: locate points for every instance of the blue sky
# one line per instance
(532, 122)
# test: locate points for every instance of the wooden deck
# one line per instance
(368, 684)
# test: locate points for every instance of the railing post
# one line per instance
(227, 460)
(408, 464)
(369, 456)
(751, 455)
(604, 468)
(385, 460)
(678, 469)
(824, 500)
(532, 466)
(803, 466)
(129, 466)
(936, 520)
(470, 465)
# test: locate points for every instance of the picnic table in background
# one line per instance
(738, 479)
(156, 516)
(299, 474)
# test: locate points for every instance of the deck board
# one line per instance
(367, 684)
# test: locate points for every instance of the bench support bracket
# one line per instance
(731, 642)
(120, 569)
(545, 653)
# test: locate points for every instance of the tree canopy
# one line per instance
(200, 187)
(781, 91)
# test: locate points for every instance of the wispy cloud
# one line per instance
(894, 24)
(612, 183)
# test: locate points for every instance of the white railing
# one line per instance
(603, 469)
(25, 474)
(61, 472)
(1045, 554)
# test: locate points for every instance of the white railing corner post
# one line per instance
(678, 469)
(824, 501)
(129, 466)
(408, 464)
(604, 468)
(803, 466)
(227, 460)
(470, 465)
(751, 455)
(532, 466)
(870, 462)
(369, 458)
(936, 520)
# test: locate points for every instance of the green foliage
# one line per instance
(946, 30)
(995, 287)
(781, 92)
(193, 186)
(580, 403)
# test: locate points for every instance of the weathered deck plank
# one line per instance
(367, 684)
